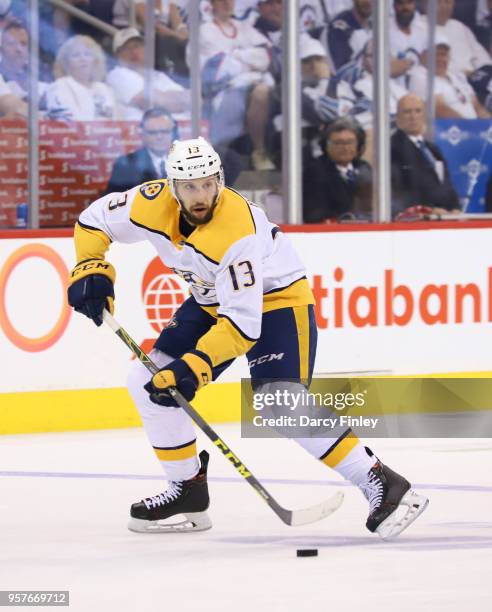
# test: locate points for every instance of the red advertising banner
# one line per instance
(75, 163)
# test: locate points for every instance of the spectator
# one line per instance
(14, 54)
(54, 24)
(171, 30)
(79, 92)
(158, 129)
(235, 61)
(419, 172)
(483, 28)
(338, 183)
(454, 97)
(11, 106)
(362, 93)
(349, 32)
(127, 80)
(315, 74)
(467, 54)
(269, 21)
(14, 62)
(350, 93)
(481, 81)
(466, 11)
(244, 10)
(408, 38)
(315, 15)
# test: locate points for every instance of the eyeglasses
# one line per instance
(342, 143)
(157, 132)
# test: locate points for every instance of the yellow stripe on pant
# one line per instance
(176, 453)
(338, 451)
(301, 314)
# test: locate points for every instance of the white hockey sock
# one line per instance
(345, 454)
(356, 464)
(180, 462)
(183, 469)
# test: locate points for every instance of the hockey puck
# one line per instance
(307, 552)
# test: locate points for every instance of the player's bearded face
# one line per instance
(198, 199)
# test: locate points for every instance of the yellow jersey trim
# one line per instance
(232, 220)
(297, 293)
(224, 341)
(301, 314)
(158, 214)
(90, 242)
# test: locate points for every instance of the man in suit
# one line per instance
(158, 130)
(338, 184)
(419, 172)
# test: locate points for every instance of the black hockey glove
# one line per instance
(91, 288)
(188, 374)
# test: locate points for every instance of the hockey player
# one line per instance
(249, 295)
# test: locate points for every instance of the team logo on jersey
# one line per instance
(151, 190)
(204, 287)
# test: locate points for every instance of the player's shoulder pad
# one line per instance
(232, 221)
(153, 206)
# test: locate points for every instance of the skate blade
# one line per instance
(394, 525)
(195, 521)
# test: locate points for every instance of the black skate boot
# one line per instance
(388, 493)
(187, 497)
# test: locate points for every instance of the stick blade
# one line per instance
(317, 513)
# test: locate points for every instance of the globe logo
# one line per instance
(162, 294)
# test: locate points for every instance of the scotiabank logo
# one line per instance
(162, 295)
(396, 303)
(7, 274)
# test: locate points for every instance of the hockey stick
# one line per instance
(289, 517)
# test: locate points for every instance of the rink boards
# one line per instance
(390, 300)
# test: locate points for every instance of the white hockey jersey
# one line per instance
(237, 265)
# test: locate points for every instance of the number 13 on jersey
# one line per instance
(242, 275)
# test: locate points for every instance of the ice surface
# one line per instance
(64, 507)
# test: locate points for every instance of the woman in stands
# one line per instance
(79, 92)
(454, 96)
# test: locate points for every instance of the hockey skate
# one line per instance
(393, 506)
(187, 497)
